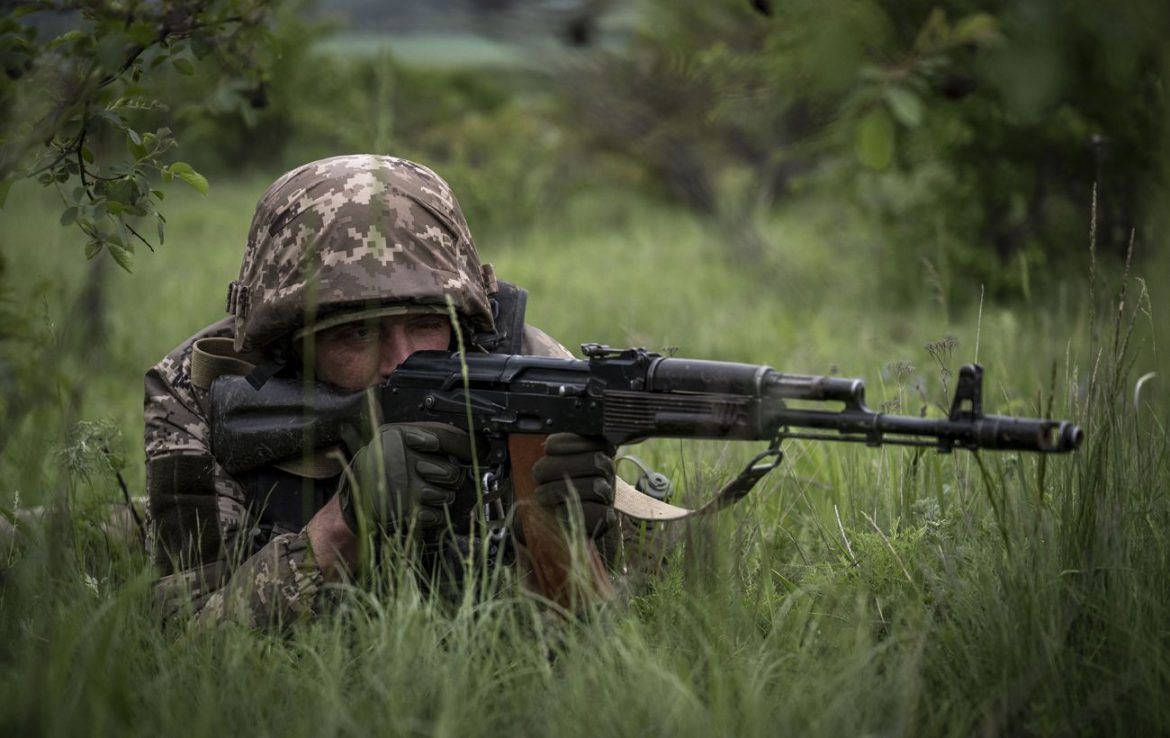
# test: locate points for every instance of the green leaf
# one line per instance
(87, 154)
(5, 186)
(977, 28)
(875, 139)
(161, 229)
(113, 119)
(136, 146)
(143, 33)
(68, 37)
(69, 216)
(92, 249)
(905, 105)
(934, 32)
(123, 256)
(119, 190)
(185, 172)
(183, 66)
(124, 240)
(200, 45)
(111, 52)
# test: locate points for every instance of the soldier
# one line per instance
(349, 268)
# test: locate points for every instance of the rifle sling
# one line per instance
(640, 506)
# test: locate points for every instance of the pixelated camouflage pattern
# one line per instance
(249, 580)
(173, 411)
(350, 232)
(277, 586)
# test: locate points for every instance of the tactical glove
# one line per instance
(408, 475)
(577, 471)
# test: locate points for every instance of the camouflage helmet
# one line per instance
(352, 233)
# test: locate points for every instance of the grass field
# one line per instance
(857, 592)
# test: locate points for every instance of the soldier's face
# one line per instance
(357, 355)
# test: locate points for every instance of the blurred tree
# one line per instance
(498, 146)
(975, 129)
(999, 170)
(695, 102)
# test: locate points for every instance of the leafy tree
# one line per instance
(77, 87)
(727, 108)
(78, 113)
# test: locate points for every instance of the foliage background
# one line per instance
(875, 190)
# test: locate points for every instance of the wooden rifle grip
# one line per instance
(552, 561)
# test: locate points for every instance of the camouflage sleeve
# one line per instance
(201, 536)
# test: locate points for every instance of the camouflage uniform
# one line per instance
(337, 237)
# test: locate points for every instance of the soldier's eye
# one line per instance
(356, 334)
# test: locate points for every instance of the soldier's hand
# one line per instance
(576, 473)
(407, 475)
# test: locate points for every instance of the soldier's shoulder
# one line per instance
(175, 368)
(538, 343)
(175, 420)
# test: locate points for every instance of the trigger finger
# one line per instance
(426, 518)
(439, 472)
(435, 497)
(559, 444)
(552, 468)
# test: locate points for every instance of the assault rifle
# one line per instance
(625, 395)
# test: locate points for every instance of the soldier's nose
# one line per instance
(395, 348)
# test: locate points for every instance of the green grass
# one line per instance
(857, 591)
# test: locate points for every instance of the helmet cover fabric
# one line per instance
(353, 234)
